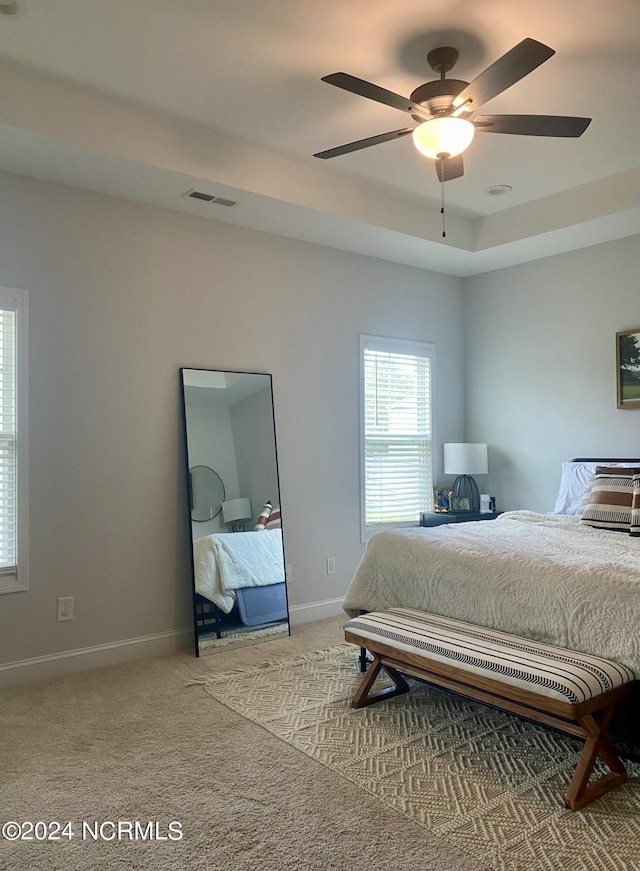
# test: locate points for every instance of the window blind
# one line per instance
(397, 432)
(8, 491)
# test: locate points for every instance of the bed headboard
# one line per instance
(575, 481)
(605, 460)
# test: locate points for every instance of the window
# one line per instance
(396, 478)
(13, 441)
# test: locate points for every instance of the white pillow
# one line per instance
(574, 485)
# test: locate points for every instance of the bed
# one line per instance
(549, 577)
(229, 565)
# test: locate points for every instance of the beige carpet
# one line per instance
(134, 743)
(486, 782)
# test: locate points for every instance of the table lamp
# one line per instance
(235, 512)
(465, 460)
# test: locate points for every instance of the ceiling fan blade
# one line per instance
(449, 168)
(363, 143)
(373, 92)
(532, 125)
(517, 63)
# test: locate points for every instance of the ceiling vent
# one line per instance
(209, 198)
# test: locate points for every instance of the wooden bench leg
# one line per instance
(362, 698)
(597, 745)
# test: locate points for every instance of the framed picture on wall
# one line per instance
(628, 368)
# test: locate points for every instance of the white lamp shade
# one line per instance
(443, 136)
(465, 459)
(236, 509)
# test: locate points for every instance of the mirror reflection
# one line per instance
(207, 493)
(237, 555)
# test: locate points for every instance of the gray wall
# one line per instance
(252, 422)
(210, 443)
(120, 296)
(540, 367)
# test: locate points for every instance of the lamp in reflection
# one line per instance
(235, 512)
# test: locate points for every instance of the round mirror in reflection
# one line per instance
(207, 493)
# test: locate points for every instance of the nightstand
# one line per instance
(428, 519)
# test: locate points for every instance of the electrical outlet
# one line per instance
(331, 565)
(65, 608)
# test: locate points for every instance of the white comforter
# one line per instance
(225, 562)
(542, 576)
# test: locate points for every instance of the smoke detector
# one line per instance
(497, 190)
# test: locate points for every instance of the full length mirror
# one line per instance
(237, 554)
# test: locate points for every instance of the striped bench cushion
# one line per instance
(554, 672)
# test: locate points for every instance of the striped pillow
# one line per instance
(635, 507)
(610, 499)
(263, 517)
(274, 521)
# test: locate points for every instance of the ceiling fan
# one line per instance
(444, 108)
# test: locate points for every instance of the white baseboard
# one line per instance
(315, 610)
(69, 661)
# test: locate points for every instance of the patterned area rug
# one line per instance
(487, 782)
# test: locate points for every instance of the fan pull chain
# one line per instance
(444, 230)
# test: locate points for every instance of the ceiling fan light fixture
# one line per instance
(443, 137)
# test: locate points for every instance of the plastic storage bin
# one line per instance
(262, 604)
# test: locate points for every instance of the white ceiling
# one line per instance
(148, 99)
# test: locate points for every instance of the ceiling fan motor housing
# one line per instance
(437, 97)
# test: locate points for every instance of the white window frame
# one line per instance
(17, 580)
(397, 346)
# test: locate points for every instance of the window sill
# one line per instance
(10, 584)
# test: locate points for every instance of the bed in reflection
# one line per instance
(239, 578)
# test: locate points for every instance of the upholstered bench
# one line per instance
(571, 691)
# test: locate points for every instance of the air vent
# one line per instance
(209, 198)
(198, 195)
(220, 201)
